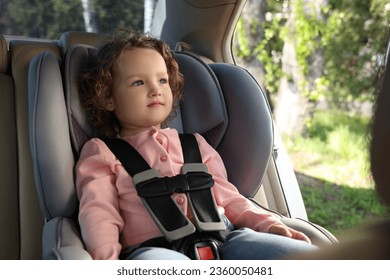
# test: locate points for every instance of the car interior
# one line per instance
(44, 127)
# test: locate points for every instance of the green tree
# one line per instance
(49, 19)
(354, 40)
(337, 48)
(110, 15)
(302, 66)
(249, 33)
(46, 19)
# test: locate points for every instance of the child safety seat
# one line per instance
(222, 102)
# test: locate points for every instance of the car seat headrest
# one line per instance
(203, 109)
(185, 47)
(70, 38)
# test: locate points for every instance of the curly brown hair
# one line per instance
(97, 81)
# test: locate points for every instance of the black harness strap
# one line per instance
(132, 161)
(190, 148)
(202, 200)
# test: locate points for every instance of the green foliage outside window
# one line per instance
(350, 34)
(49, 19)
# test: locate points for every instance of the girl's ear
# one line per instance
(109, 104)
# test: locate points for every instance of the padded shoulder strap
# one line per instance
(132, 161)
(190, 148)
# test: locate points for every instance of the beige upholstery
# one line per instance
(9, 218)
(20, 234)
(21, 218)
(3, 55)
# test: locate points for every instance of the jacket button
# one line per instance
(163, 158)
(180, 200)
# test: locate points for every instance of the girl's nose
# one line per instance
(155, 90)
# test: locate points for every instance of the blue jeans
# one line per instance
(241, 244)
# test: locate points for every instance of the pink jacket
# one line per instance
(112, 216)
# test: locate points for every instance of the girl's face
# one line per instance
(141, 97)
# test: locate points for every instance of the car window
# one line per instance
(318, 62)
(49, 19)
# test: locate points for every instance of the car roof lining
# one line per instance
(195, 23)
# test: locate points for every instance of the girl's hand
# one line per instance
(288, 232)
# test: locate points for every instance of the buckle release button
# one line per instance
(205, 253)
(207, 250)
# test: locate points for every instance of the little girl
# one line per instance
(130, 94)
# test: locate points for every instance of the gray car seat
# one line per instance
(222, 102)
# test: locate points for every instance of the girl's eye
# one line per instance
(163, 81)
(137, 83)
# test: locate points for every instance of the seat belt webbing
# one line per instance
(190, 148)
(131, 160)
